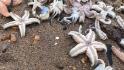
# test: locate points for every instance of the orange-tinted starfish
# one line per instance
(3, 6)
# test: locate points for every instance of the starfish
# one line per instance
(56, 7)
(36, 4)
(104, 10)
(101, 66)
(21, 22)
(86, 44)
(80, 12)
(73, 18)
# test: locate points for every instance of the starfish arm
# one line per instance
(91, 36)
(101, 4)
(35, 1)
(100, 67)
(108, 68)
(10, 24)
(96, 7)
(120, 21)
(101, 34)
(104, 21)
(82, 17)
(65, 19)
(3, 10)
(31, 3)
(80, 29)
(77, 37)
(34, 9)
(39, 5)
(92, 55)
(26, 15)
(32, 20)
(78, 49)
(103, 14)
(110, 8)
(14, 16)
(99, 46)
(112, 14)
(22, 29)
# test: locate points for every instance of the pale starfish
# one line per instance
(21, 22)
(36, 4)
(56, 7)
(104, 9)
(80, 12)
(86, 44)
(102, 66)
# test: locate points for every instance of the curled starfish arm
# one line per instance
(78, 49)
(26, 15)
(101, 34)
(3, 10)
(92, 55)
(10, 24)
(108, 21)
(99, 46)
(14, 16)
(77, 36)
(22, 29)
(32, 20)
(91, 36)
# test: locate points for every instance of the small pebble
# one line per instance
(57, 38)
(55, 43)
(36, 39)
(13, 38)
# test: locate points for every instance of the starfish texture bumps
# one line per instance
(21, 22)
(86, 44)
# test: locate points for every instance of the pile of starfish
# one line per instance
(73, 11)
